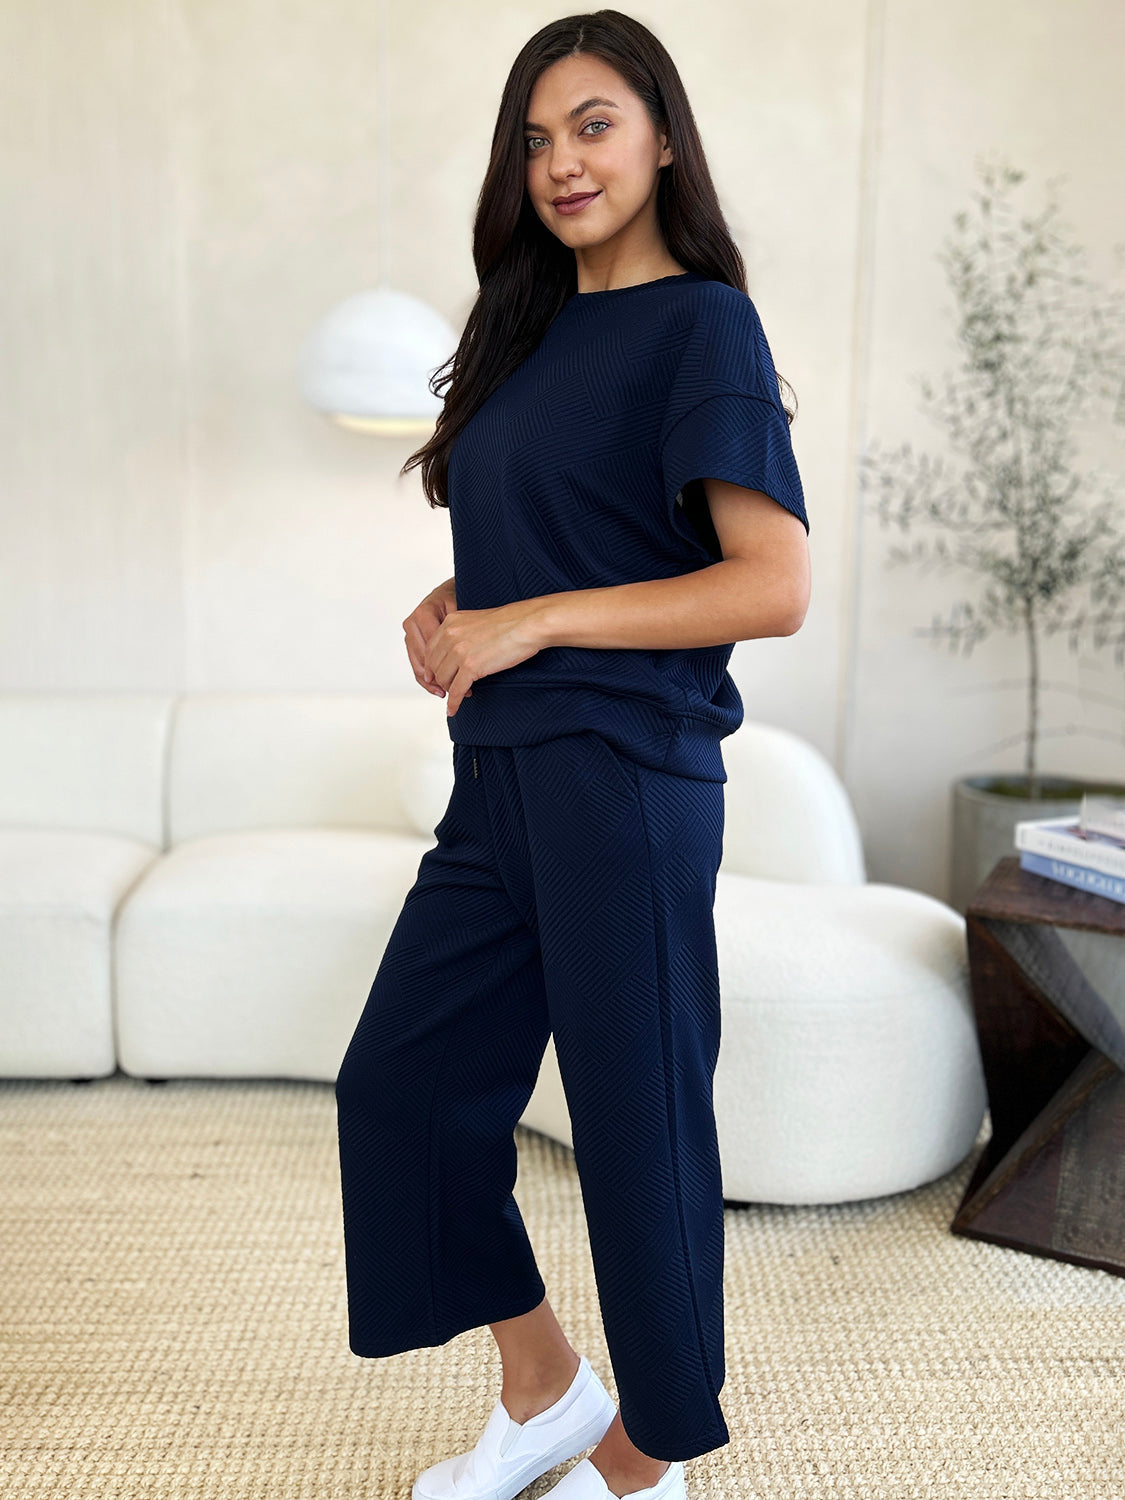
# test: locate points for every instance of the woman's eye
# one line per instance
(530, 140)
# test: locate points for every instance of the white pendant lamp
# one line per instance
(368, 362)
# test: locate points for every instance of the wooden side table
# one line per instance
(1047, 971)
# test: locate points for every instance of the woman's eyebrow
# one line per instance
(579, 109)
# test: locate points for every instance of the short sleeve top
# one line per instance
(581, 471)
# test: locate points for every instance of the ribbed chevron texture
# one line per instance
(571, 891)
(582, 470)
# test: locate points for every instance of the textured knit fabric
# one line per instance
(582, 471)
(570, 891)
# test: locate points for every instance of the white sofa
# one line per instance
(203, 884)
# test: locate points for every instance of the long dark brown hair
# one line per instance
(525, 273)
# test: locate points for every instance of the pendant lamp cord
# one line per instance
(382, 190)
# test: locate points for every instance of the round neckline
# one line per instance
(637, 286)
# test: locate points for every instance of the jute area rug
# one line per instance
(172, 1317)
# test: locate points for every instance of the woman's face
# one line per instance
(587, 132)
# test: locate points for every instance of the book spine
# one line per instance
(1066, 872)
(1077, 851)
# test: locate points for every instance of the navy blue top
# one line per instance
(577, 473)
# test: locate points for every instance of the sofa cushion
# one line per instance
(59, 895)
(294, 760)
(252, 954)
(90, 761)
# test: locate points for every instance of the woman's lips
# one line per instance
(576, 204)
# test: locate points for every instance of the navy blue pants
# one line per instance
(571, 891)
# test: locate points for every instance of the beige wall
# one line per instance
(189, 185)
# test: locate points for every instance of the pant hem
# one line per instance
(513, 1309)
(679, 1453)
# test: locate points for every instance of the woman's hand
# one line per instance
(472, 643)
(421, 624)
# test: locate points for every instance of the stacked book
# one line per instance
(1086, 851)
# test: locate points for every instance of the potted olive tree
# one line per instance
(1042, 347)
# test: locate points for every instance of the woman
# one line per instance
(624, 505)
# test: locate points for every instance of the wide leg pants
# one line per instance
(571, 891)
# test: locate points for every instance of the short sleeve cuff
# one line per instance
(742, 439)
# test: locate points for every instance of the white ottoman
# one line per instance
(849, 1065)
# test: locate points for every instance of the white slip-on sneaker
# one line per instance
(585, 1482)
(509, 1455)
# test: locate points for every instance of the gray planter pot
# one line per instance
(986, 810)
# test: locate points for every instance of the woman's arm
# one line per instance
(420, 625)
(760, 588)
